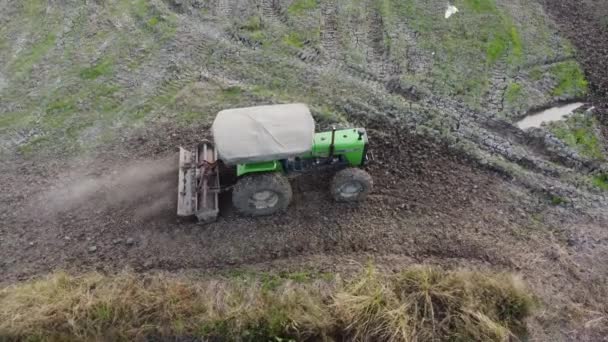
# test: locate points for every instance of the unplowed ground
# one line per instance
(585, 23)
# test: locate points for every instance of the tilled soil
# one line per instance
(117, 211)
(122, 214)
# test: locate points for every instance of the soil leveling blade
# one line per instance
(199, 183)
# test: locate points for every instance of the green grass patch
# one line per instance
(570, 78)
(558, 200)
(152, 20)
(13, 120)
(253, 23)
(507, 39)
(293, 39)
(580, 132)
(60, 106)
(233, 92)
(26, 61)
(465, 47)
(516, 42)
(418, 303)
(601, 181)
(514, 92)
(300, 6)
(482, 6)
(102, 68)
(34, 9)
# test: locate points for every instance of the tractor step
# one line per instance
(199, 183)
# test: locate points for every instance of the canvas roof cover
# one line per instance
(263, 133)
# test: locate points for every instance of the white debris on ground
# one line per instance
(450, 11)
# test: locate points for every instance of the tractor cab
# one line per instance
(263, 134)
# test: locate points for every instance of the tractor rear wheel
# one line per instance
(262, 194)
(351, 185)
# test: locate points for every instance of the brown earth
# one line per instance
(429, 206)
(116, 210)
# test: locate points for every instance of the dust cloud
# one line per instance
(145, 187)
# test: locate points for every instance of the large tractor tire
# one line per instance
(351, 185)
(261, 194)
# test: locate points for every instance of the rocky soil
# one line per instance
(457, 184)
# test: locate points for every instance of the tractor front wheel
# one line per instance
(351, 185)
(262, 194)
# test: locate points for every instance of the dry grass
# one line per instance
(419, 304)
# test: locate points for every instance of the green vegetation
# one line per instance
(254, 23)
(513, 93)
(76, 103)
(232, 92)
(13, 120)
(293, 39)
(601, 181)
(482, 6)
(505, 35)
(504, 40)
(419, 303)
(60, 106)
(100, 69)
(33, 8)
(465, 47)
(580, 132)
(33, 55)
(152, 19)
(570, 78)
(558, 200)
(299, 6)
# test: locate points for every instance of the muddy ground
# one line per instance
(429, 206)
(585, 23)
(115, 209)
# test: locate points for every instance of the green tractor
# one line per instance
(264, 146)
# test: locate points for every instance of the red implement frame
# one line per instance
(199, 183)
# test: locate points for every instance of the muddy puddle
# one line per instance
(549, 115)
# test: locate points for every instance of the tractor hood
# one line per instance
(263, 133)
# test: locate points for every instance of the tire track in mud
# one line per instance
(330, 36)
(501, 142)
(192, 47)
(222, 8)
(329, 53)
(499, 82)
(273, 11)
(378, 51)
